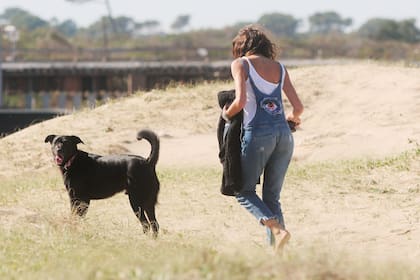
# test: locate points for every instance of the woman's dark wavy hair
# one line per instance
(252, 39)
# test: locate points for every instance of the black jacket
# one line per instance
(230, 147)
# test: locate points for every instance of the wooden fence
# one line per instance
(67, 101)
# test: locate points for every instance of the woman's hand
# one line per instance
(224, 113)
(294, 119)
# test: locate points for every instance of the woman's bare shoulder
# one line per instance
(237, 62)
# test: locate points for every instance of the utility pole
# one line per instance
(12, 34)
(1, 74)
(108, 8)
(111, 19)
(105, 42)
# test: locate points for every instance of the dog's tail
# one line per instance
(154, 143)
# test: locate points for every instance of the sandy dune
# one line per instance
(352, 111)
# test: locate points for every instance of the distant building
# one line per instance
(69, 84)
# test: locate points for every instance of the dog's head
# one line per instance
(225, 97)
(63, 147)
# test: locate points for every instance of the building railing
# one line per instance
(61, 100)
(158, 53)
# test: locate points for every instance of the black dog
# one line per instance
(88, 176)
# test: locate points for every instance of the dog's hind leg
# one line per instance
(139, 212)
(150, 211)
(143, 220)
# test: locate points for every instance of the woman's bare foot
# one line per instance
(281, 235)
(281, 238)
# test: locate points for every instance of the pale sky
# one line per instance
(216, 13)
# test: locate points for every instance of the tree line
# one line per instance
(328, 35)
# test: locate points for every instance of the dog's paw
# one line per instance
(146, 227)
(155, 229)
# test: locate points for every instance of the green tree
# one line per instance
(98, 29)
(280, 24)
(125, 25)
(379, 29)
(327, 22)
(67, 28)
(388, 29)
(180, 22)
(408, 31)
(108, 8)
(22, 19)
(147, 27)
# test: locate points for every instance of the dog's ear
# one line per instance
(49, 138)
(76, 140)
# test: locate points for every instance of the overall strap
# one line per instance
(282, 74)
(245, 63)
(249, 64)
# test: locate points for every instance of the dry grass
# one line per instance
(205, 235)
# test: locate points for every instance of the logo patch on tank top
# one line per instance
(271, 105)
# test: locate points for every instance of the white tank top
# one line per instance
(263, 85)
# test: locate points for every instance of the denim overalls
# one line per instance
(267, 146)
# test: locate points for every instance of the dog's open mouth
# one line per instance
(58, 160)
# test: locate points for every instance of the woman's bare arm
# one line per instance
(239, 75)
(293, 98)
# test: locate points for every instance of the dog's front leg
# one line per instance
(78, 206)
